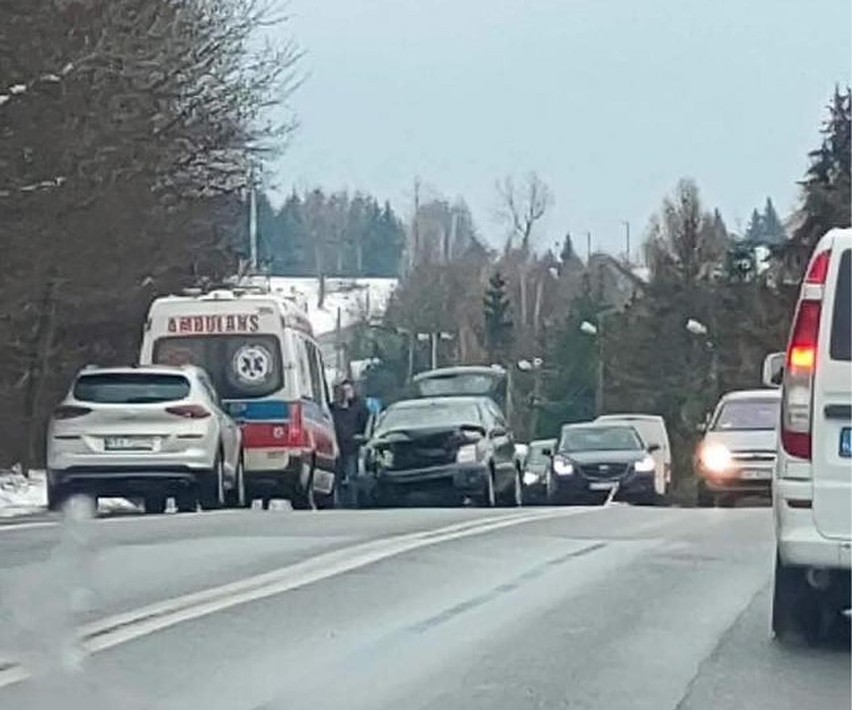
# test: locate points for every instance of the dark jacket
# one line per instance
(349, 420)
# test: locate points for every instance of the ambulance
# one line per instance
(260, 352)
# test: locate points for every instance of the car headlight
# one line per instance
(716, 458)
(646, 465)
(531, 478)
(467, 454)
(384, 458)
(562, 467)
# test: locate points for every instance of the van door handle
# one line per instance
(838, 411)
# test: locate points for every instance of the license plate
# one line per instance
(127, 443)
(752, 474)
(603, 485)
(846, 442)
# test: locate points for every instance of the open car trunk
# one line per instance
(464, 381)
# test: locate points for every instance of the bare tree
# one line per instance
(520, 208)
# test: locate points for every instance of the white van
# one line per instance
(259, 350)
(812, 487)
(652, 429)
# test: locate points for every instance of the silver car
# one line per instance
(150, 432)
(737, 454)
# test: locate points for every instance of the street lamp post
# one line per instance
(698, 329)
(596, 330)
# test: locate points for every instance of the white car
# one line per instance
(145, 432)
(812, 488)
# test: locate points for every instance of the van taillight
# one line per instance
(69, 411)
(819, 268)
(796, 407)
(296, 434)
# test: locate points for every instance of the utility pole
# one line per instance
(252, 225)
(434, 358)
(626, 224)
(415, 227)
(588, 247)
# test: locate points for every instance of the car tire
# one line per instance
(236, 496)
(211, 493)
(796, 607)
(155, 505)
(514, 497)
(487, 499)
(56, 497)
(305, 498)
(186, 502)
(705, 498)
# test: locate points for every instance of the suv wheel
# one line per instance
(211, 490)
(235, 497)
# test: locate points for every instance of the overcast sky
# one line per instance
(609, 101)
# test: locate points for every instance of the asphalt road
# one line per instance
(607, 608)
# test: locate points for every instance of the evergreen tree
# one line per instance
(826, 185)
(498, 319)
(773, 231)
(754, 230)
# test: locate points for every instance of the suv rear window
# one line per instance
(130, 388)
(841, 320)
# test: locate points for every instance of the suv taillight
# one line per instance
(69, 411)
(796, 407)
(189, 411)
(296, 434)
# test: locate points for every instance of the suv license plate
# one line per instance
(127, 443)
(754, 474)
(603, 486)
(846, 442)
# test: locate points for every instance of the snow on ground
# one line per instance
(20, 495)
(355, 299)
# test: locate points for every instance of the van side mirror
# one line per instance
(653, 447)
(773, 369)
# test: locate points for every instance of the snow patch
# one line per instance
(20, 495)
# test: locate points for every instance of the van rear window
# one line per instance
(130, 388)
(241, 366)
(841, 320)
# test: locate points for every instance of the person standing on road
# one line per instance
(350, 419)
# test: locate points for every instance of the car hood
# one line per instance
(758, 440)
(585, 457)
(458, 434)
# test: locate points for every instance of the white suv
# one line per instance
(812, 491)
(145, 432)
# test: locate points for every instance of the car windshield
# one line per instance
(424, 415)
(130, 388)
(599, 438)
(241, 366)
(748, 415)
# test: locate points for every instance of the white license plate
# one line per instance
(603, 485)
(753, 474)
(128, 443)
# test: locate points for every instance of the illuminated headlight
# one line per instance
(716, 458)
(646, 465)
(531, 478)
(561, 467)
(467, 454)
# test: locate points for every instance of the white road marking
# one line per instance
(121, 628)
